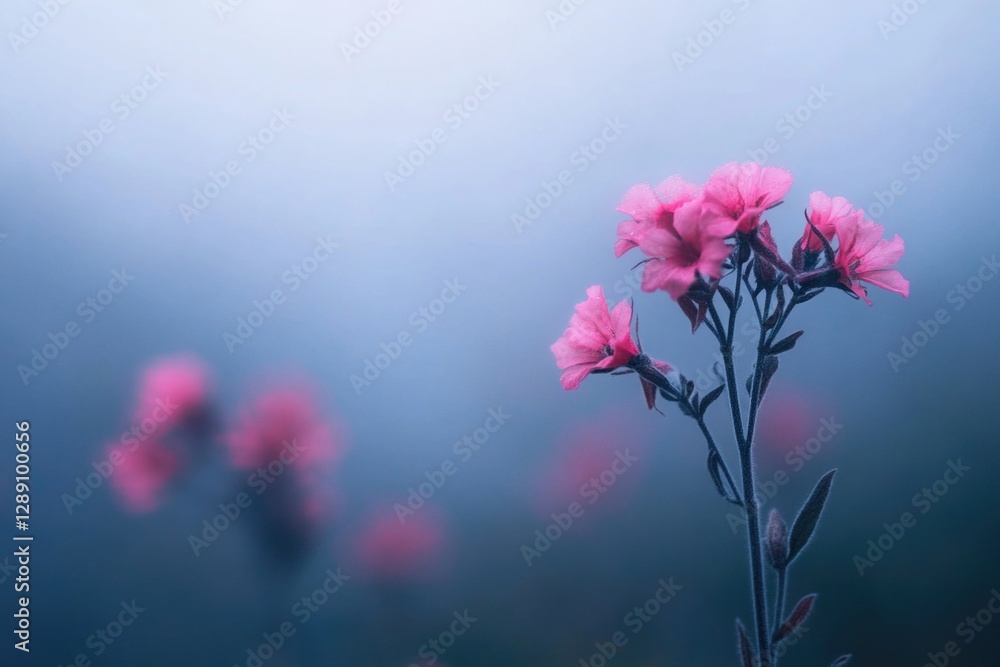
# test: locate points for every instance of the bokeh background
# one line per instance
(845, 95)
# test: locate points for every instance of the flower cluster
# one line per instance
(693, 235)
(694, 238)
(171, 408)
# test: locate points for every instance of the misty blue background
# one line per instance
(324, 175)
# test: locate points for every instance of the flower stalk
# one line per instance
(696, 238)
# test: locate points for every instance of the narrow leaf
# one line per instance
(798, 254)
(715, 470)
(728, 296)
(827, 248)
(842, 660)
(805, 522)
(808, 296)
(770, 368)
(786, 343)
(746, 650)
(711, 397)
(795, 619)
(772, 319)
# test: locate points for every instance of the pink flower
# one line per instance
(173, 390)
(403, 547)
(695, 246)
(284, 425)
(595, 340)
(745, 191)
(142, 474)
(824, 213)
(651, 209)
(863, 255)
(595, 454)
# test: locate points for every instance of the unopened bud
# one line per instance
(776, 539)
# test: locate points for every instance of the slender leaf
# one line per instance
(772, 319)
(770, 368)
(746, 650)
(842, 660)
(711, 397)
(795, 619)
(808, 296)
(805, 522)
(715, 470)
(728, 296)
(787, 343)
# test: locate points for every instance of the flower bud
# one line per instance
(776, 541)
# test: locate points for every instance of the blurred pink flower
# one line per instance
(651, 209)
(595, 340)
(695, 246)
(863, 255)
(141, 473)
(824, 213)
(745, 191)
(392, 547)
(588, 460)
(284, 425)
(788, 418)
(173, 390)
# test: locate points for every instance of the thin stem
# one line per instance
(755, 397)
(736, 303)
(779, 606)
(726, 347)
(782, 319)
(749, 487)
(756, 306)
(725, 469)
(756, 565)
(651, 374)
